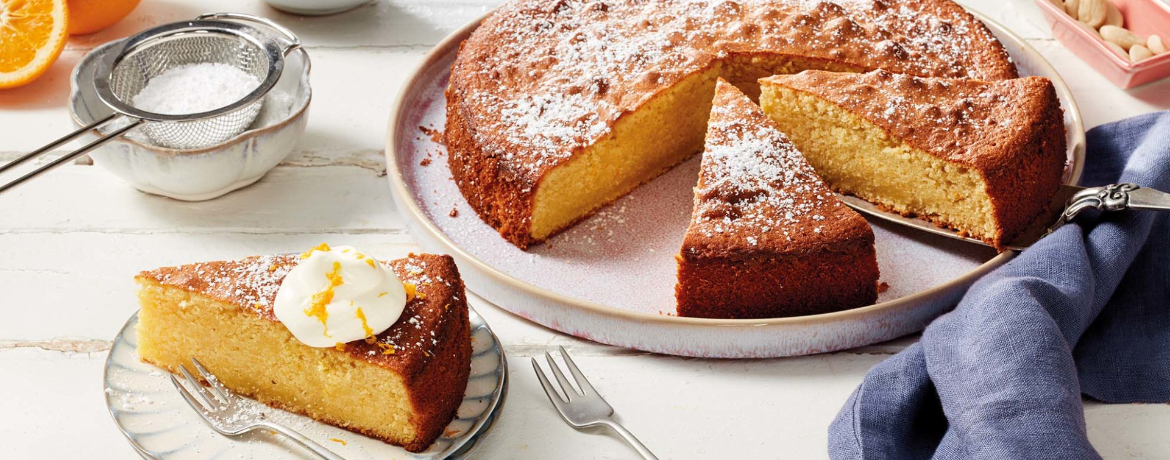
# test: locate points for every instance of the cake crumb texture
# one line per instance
(402, 386)
(767, 237)
(558, 107)
(983, 158)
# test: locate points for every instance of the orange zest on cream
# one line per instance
(320, 247)
(365, 324)
(323, 298)
(338, 295)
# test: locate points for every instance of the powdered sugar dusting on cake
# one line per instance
(410, 332)
(961, 107)
(754, 181)
(543, 78)
(253, 282)
(756, 191)
(954, 119)
(250, 282)
(552, 123)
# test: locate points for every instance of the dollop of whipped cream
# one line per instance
(338, 295)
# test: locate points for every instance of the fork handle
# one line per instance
(307, 443)
(629, 437)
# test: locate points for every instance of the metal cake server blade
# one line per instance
(1066, 204)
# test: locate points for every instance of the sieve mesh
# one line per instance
(135, 70)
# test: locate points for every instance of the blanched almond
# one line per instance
(1155, 44)
(1113, 15)
(1088, 29)
(1122, 37)
(1071, 7)
(1139, 52)
(1117, 49)
(1092, 12)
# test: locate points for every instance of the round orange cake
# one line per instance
(557, 107)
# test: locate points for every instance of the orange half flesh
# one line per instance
(32, 35)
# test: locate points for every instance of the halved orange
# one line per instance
(89, 16)
(32, 35)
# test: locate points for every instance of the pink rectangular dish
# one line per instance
(1143, 17)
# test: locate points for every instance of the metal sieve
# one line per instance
(222, 38)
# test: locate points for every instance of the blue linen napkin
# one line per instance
(1085, 310)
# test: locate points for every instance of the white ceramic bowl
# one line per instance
(315, 7)
(209, 172)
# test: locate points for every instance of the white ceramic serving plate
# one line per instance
(209, 172)
(161, 426)
(611, 277)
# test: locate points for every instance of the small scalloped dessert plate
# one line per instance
(161, 426)
(611, 277)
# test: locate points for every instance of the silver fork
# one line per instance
(226, 412)
(584, 409)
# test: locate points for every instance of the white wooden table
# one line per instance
(71, 242)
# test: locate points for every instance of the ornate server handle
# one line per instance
(1113, 197)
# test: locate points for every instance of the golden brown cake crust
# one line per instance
(1010, 131)
(431, 341)
(767, 237)
(500, 195)
(821, 281)
(541, 80)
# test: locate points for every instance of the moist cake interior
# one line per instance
(402, 386)
(862, 159)
(556, 108)
(646, 143)
(983, 158)
(767, 237)
(241, 347)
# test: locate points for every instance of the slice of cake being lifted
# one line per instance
(983, 158)
(767, 238)
(402, 384)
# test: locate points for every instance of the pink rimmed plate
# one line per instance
(611, 277)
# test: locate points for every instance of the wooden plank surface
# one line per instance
(71, 242)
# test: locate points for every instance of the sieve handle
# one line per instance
(71, 155)
(291, 40)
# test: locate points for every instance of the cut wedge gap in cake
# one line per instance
(982, 158)
(556, 109)
(767, 238)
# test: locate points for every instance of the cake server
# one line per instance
(1066, 204)
(218, 38)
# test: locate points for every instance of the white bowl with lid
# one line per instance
(208, 172)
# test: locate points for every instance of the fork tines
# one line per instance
(582, 408)
(208, 398)
(570, 393)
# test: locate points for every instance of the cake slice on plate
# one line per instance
(767, 238)
(375, 348)
(983, 158)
